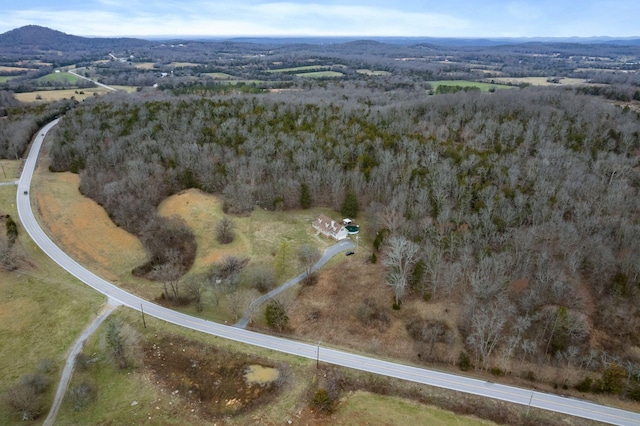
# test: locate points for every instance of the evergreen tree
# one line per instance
(350, 205)
(305, 196)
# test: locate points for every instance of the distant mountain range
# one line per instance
(44, 39)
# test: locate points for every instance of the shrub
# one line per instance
(372, 315)
(12, 230)
(464, 362)
(322, 402)
(498, 372)
(82, 395)
(276, 315)
(585, 384)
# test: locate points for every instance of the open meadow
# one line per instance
(42, 311)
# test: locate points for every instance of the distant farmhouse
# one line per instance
(330, 228)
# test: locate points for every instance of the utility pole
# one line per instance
(143, 321)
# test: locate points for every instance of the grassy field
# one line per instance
(366, 408)
(538, 81)
(12, 69)
(9, 170)
(56, 95)
(61, 77)
(485, 87)
(372, 72)
(304, 69)
(42, 311)
(5, 78)
(320, 74)
(184, 64)
(219, 75)
(144, 65)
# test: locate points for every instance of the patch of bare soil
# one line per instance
(212, 382)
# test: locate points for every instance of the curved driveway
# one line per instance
(516, 395)
(328, 254)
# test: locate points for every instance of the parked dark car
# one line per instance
(349, 253)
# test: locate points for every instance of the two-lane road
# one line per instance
(516, 395)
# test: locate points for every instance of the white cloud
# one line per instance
(461, 18)
(230, 19)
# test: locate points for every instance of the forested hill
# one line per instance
(32, 40)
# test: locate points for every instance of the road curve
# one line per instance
(571, 406)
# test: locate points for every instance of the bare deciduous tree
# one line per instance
(225, 230)
(487, 324)
(401, 255)
(308, 255)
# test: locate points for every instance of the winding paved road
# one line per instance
(512, 394)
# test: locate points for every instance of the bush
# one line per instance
(82, 395)
(322, 402)
(310, 280)
(464, 362)
(276, 315)
(25, 396)
(498, 372)
(585, 385)
(372, 315)
(12, 230)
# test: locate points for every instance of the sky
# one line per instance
(399, 18)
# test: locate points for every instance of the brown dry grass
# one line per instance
(9, 170)
(144, 66)
(83, 228)
(202, 212)
(56, 95)
(11, 69)
(334, 300)
(539, 81)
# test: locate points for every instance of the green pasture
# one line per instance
(297, 70)
(372, 72)
(484, 87)
(320, 74)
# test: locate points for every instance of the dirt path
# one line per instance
(71, 360)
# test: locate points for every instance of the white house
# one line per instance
(330, 228)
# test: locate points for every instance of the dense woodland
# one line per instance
(520, 205)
